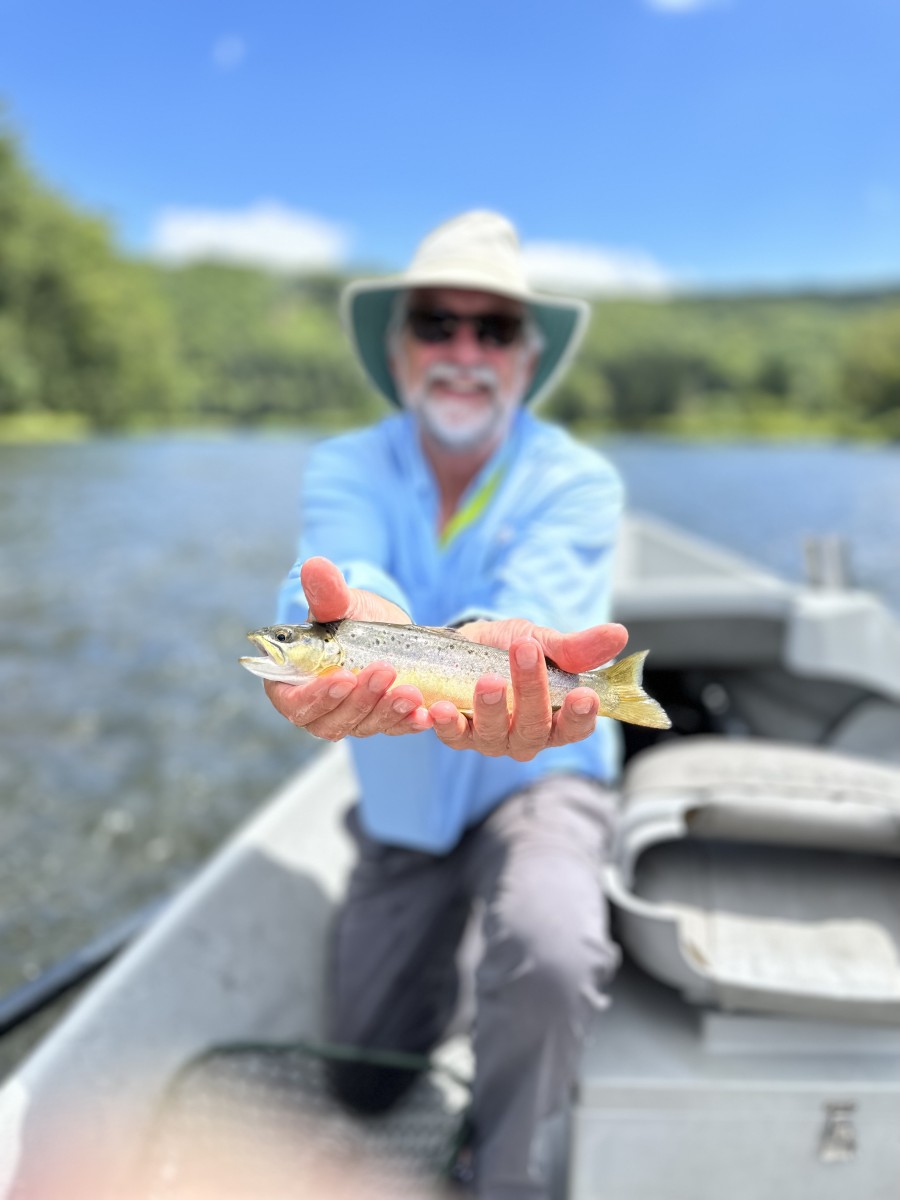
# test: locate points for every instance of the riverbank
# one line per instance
(769, 428)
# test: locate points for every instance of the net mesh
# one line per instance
(261, 1121)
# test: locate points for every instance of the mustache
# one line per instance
(450, 373)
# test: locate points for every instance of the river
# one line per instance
(130, 742)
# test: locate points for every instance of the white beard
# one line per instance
(458, 424)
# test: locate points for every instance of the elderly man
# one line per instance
(464, 510)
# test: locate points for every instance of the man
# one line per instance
(465, 510)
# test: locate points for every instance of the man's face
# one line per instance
(463, 378)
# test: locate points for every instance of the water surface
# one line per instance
(131, 743)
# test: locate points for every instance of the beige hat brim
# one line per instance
(366, 308)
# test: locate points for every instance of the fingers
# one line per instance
(450, 725)
(490, 721)
(575, 652)
(497, 633)
(341, 704)
(532, 711)
(488, 730)
(533, 726)
(306, 702)
(399, 710)
(577, 718)
(325, 589)
(491, 730)
(584, 650)
(330, 597)
(358, 704)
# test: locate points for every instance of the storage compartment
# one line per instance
(687, 1104)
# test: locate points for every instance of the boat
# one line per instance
(752, 1045)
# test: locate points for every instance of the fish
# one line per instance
(442, 663)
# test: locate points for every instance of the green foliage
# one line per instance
(871, 373)
(756, 366)
(81, 330)
(262, 349)
(92, 341)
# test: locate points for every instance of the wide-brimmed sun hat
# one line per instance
(477, 251)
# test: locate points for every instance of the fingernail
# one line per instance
(441, 718)
(492, 697)
(527, 654)
(403, 706)
(582, 707)
(338, 691)
(380, 680)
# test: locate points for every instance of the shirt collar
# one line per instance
(480, 491)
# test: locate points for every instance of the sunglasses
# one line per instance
(435, 325)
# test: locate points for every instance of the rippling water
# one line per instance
(130, 742)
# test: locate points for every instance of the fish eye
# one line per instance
(283, 635)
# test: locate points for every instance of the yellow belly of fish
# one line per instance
(436, 687)
(459, 691)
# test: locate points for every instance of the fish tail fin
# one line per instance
(622, 695)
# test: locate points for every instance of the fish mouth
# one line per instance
(273, 664)
(272, 649)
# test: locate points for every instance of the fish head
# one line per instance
(294, 653)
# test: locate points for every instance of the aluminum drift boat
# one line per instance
(753, 1044)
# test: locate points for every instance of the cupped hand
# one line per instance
(530, 725)
(342, 704)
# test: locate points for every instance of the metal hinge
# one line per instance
(838, 1141)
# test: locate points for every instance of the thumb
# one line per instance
(584, 650)
(325, 589)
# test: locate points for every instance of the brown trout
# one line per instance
(441, 663)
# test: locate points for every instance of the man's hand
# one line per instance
(342, 703)
(532, 725)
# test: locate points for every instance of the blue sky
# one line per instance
(638, 144)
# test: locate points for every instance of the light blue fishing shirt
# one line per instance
(533, 537)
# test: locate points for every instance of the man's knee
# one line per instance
(562, 976)
(550, 970)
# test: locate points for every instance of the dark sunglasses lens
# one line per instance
(498, 329)
(427, 326)
(491, 329)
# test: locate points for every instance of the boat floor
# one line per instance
(250, 1120)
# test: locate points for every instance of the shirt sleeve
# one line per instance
(341, 521)
(556, 567)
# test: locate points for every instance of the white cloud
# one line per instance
(267, 235)
(229, 51)
(594, 270)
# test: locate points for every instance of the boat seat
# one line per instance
(764, 775)
(762, 876)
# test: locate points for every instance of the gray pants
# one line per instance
(534, 864)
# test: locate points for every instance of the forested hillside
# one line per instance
(91, 341)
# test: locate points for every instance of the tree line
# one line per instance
(93, 341)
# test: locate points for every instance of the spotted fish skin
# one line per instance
(441, 663)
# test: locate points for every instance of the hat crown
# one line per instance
(480, 242)
(476, 251)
